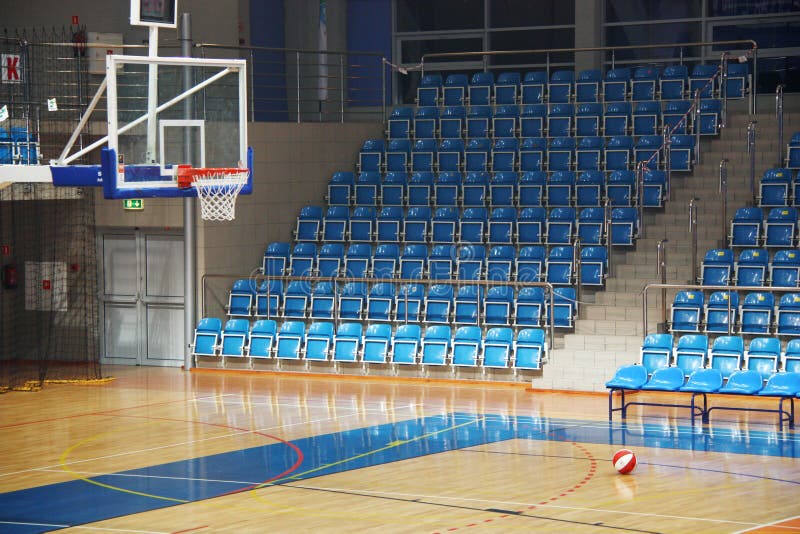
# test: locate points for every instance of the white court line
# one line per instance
(84, 527)
(775, 524)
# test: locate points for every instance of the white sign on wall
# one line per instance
(45, 286)
(10, 68)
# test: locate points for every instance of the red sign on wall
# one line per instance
(11, 68)
(45, 284)
(5, 250)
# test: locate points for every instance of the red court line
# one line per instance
(189, 530)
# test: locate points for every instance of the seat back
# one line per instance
(656, 352)
(727, 354)
(691, 353)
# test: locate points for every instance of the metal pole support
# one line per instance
(751, 151)
(723, 192)
(779, 117)
(693, 231)
(662, 274)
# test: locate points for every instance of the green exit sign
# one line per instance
(133, 204)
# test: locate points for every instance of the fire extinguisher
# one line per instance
(10, 276)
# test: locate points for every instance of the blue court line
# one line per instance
(79, 502)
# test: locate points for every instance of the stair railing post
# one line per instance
(779, 116)
(607, 229)
(693, 223)
(751, 151)
(696, 124)
(723, 89)
(668, 159)
(723, 191)
(640, 193)
(661, 260)
(576, 262)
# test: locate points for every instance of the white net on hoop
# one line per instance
(217, 192)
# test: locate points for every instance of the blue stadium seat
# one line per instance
(530, 188)
(441, 264)
(619, 153)
(646, 117)
(429, 91)
(788, 319)
(400, 123)
(361, 226)
(704, 381)
(644, 83)
(746, 227)
(352, 300)
(739, 82)
(323, 300)
(398, 155)
(681, 152)
(471, 262)
(503, 189)
(426, 122)
(507, 89)
(467, 346)
(377, 343)
(631, 377)
(717, 267)
(445, 225)
(380, 302)
(757, 313)
(780, 228)
(588, 119)
(561, 154)
(665, 379)
(654, 188)
(587, 86)
(529, 349)
(447, 190)
(498, 347)
(722, 312)
(534, 85)
(296, 300)
(481, 88)
(276, 259)
(591, 225)
(436, 345)
(340, 189)
(309, 223)
(590, 189)
(406, 344)
(589, 154)
(700, 79)
(393, 189)
(710, 112)
(358, 260)
(532, 121)
(594, 265)
(785, 384)
(319, 341)
(241, 298)
(479, 120)
(500, 263)
(347, 342)
(423, 155)
(303, 259)
(498, 305)
(207, 335)
(774, 188)
(791, 356)
(452, 122)
(439, 304)
(793, 154)
(624, 227)
(454, 90)
(414, 262)
(370, 157)
(560, 88)
(476, 156)
(505, 122)
(691, 353)
(531, 226)
(530, 308)
(330, 260)
(648, 150)
(386, 261)
(727, 354)
(675, 117)
(389, 224)
(617, 118)
(532, 154)
(269, 299)
(420, 189)
(763, 355)
(674, 82)
(656, 352)
(785, 268)
(565, 307)
(752, 267)
(561, 226)
(408, 303)
(559, 120)
(468, 302)
(334, 225)
(617, 85)
(687, 311)
(450, 157)
(290, 340)
(417, 228)
(505, 155)
(262, 339)
(473, 225)
(530, 263)
(560, 265)
(502, 226)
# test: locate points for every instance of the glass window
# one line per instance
(682, 32)
(439, 15)
(630, 10)
(778, 35)
(532, 40)
(728, 8)
(413, 50)
(514, 13)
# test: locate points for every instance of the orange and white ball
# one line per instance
(624, 461)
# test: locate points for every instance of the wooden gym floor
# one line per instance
(164, 451)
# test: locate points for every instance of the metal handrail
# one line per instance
(779, 117)
(258, 278)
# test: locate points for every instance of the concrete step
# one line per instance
(616, 340)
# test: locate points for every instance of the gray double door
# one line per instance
(141, 297)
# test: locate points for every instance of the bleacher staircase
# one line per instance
(608, 332)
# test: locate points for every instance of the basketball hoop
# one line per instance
(217, 189)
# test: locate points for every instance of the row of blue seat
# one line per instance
(675, 82)
(555, 120)
(377, 345)
(562, 225)
(386, 302)
(749, 227)
(793, 152)
(502, 189)
(778, 187)
(756, 314)
(18, 147)
(752, 267)
(531, 154)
